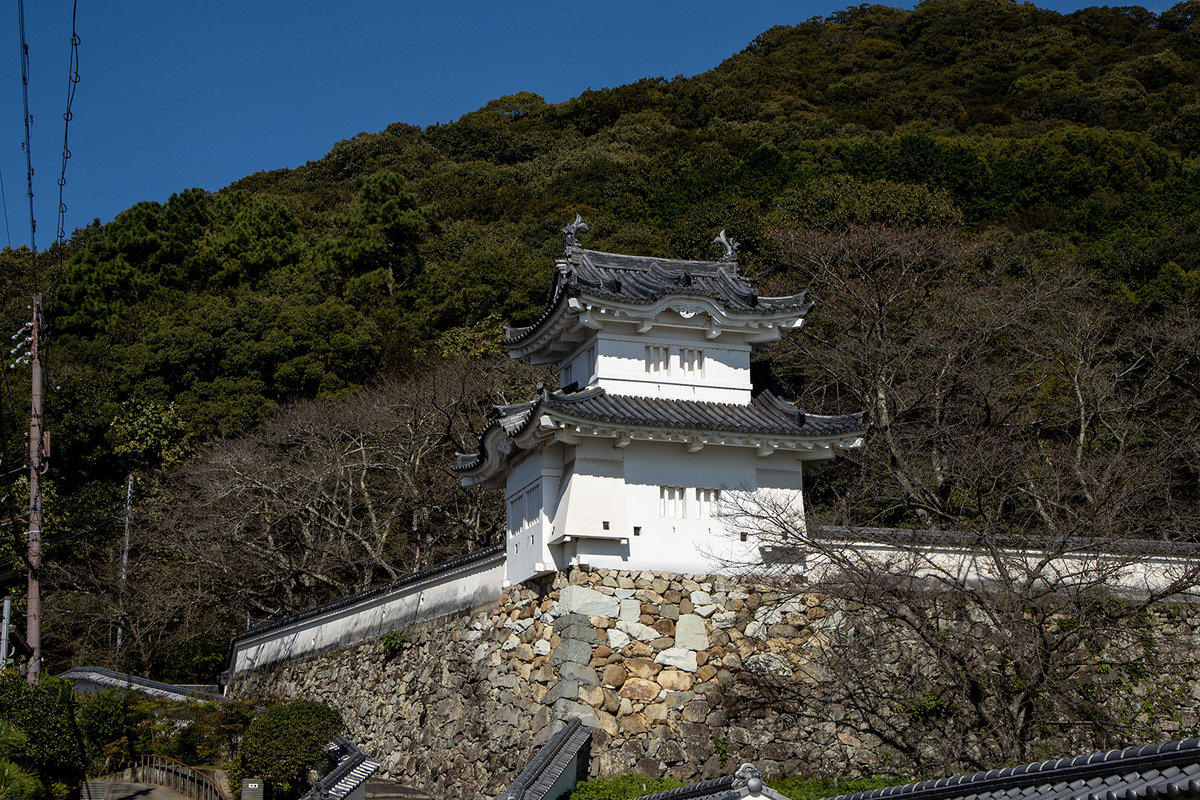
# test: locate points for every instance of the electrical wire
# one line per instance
(4, 202)
(72, 83)
(28, 126)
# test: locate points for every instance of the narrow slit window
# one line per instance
(691, 363)
(672, 502)
(707, 502)
(658, 360)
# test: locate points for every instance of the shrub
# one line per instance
(393, 643)
(284, 742)
(623, 787)
(46, 714)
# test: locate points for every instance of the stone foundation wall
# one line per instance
(674, 673)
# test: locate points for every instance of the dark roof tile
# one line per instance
(643, 280)
(1135, 772)
(768, 414)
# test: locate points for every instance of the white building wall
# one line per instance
(625, 487)
(530, 499)
(667, 366)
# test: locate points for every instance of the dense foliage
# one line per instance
(284, 743)
(45, 716)
(1053, 144)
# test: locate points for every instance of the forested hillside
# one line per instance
(997, 208)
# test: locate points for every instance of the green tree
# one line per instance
(284, 742)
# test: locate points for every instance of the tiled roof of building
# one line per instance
(768, 414)
(644, 280)
(1169, 770)
(132, 683)
(540, 775)
(746, 782)
(353, 767)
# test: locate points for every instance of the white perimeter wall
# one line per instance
(456, 589)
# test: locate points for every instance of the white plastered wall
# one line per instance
(621, 367)
(624, 488)
(526, 546)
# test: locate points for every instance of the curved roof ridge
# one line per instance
(1130, 762)
(645, 280)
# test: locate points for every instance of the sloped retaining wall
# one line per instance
(668, 670)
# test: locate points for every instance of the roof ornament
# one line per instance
(731, 247)
(749, 776)
(573, 229)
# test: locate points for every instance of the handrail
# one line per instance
(178, 776)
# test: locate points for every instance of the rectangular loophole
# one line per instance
(605, 524)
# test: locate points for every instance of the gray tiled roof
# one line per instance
(352, 769)
(1164, 770)
(540, 775)
(769, 413)
(132, 683)
(643, 280)
(746, 782)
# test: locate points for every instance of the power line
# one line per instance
(28, 126)
(72, 83)
(4, 202)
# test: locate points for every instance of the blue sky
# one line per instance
(177, 94)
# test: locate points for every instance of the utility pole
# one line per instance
(39, 446)
(124, 564)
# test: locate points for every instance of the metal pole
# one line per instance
(124, 564)
(33, 616)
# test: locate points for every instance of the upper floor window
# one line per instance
(707, 503)
(691, 363)
(672, 502)
(524, 508)
(658, 360)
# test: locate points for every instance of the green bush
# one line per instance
(623, 787)
(393, 643)
(284, 742)
(46, 714)
(101, 719)
(18, 783)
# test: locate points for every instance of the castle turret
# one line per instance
(656, 418)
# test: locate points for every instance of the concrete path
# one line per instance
(141, 791)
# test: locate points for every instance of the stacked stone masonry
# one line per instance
(668, 670)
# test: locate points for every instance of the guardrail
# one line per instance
(168, 772)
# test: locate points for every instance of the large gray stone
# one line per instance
(617, 640)
(568, 689)
(769, 664)
(576, 626)
(581, 600)
(679, 658)
(691, 633)
(579, 672)
(571, 650)
(564, 709)
(631, 609)
(638, 631)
